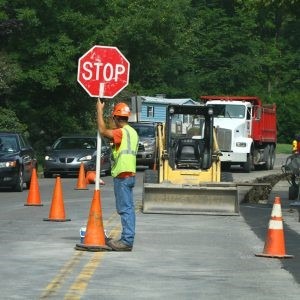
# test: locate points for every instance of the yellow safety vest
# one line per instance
(125, 157)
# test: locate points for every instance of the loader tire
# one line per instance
(226, 177)
(151, 176)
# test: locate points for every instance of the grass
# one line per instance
(284, 148)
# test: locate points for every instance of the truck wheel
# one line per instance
(272, 157)
(267, 158)
(248, 165)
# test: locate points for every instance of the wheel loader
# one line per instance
(187, 176)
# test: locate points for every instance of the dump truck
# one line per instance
(187, 178)
(246, 131)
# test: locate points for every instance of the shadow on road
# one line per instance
(257, 216)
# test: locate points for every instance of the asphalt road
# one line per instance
(174, 256)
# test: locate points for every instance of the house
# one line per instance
(153, 109)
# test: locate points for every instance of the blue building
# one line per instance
(153, 109)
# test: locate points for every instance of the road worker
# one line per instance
(125, 145)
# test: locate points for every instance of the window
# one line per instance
(150, 111)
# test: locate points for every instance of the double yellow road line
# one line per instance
(79, 285)
(81, 282)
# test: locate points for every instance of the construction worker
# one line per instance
(296, 144)
(125, 144)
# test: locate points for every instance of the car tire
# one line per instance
(20, 181)
(47, 175)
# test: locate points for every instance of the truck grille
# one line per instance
(224, 139)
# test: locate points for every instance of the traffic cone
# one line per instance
(34, 197)
(91, 177)
(57, 209)
(94, 239)
(275, 242)
(81, 181)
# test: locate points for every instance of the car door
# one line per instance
(28, 158)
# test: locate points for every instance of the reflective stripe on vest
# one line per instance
(125, 156)
(128, 150)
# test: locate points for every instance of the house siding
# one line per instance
(159, 107)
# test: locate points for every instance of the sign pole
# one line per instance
(99, 146)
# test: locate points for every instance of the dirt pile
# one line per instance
(261, 192)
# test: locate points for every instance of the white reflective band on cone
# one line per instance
(275, 224)
(276, 211)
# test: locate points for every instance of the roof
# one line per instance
(161, 100)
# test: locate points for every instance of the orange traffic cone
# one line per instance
(34, 197)
(91, 178)
(57, 209)
(81, 181)
(94, 239)
(275, 243)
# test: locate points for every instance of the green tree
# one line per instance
(9, 122)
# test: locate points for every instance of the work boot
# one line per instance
(118, 245)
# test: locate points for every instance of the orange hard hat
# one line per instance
(121, 109)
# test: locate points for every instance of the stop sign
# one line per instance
(103, 71)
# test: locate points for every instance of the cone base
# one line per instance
(56, 220)
(32, 204)
(274, 255)
(92, 248)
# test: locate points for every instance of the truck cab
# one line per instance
(233, 128)
(246, 131)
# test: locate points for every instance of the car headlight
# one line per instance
(149, 144)
(241, 144)
(49, 158)
(8, 164)
(87, 157)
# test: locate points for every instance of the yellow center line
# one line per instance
(79, 286)
(58, 280)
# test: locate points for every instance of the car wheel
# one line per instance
(19, 184)
(47, 175)
(28, 184)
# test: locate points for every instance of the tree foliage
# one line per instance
(181, 48)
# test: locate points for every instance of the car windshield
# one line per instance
(8, 144)
(144, 131)
(75, 143)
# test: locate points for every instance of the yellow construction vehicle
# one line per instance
(187, 178)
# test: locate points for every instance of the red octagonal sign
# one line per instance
(103, 71)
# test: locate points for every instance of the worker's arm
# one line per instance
(101, 124)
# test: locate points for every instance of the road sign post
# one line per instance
(103, 72)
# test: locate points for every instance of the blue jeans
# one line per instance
(123, 188)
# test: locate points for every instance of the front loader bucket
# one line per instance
(211, 198)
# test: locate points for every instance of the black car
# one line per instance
(67, 153)
(17, 160)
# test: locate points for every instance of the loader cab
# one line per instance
(189, 136)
